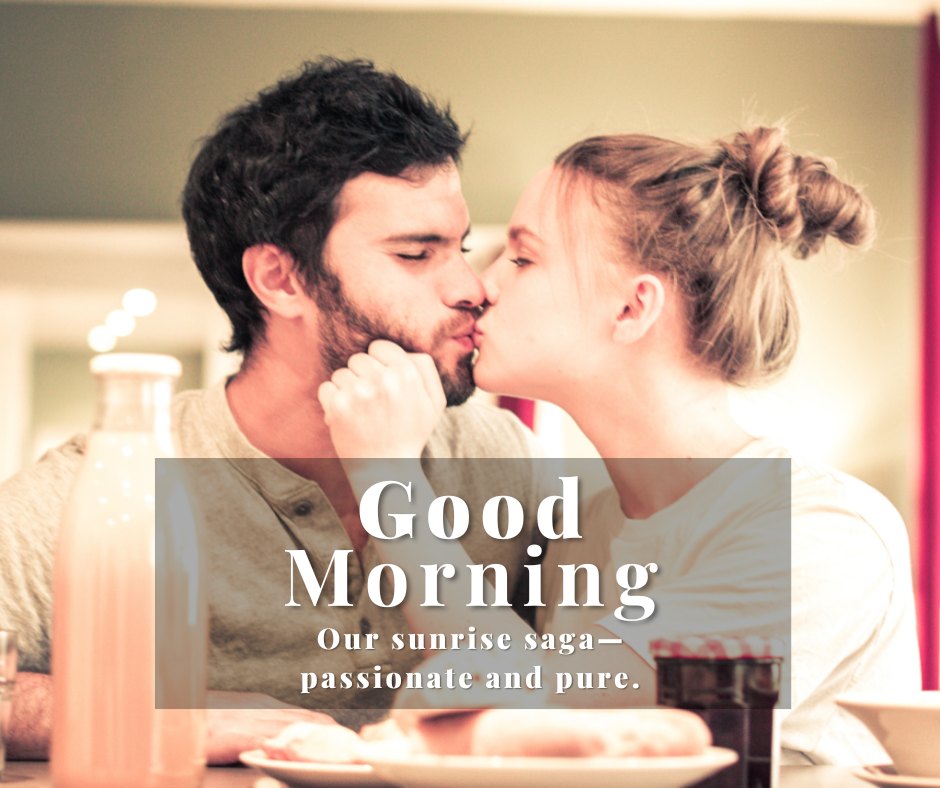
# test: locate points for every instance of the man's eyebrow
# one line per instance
(423, 238)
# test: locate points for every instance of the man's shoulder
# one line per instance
(46, 482)
(200, 421)
(480, 429)
(187, 404)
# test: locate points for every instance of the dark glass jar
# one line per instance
(733, 684)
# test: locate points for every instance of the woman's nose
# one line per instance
(489, 278)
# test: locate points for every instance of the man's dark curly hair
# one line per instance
(273, 169)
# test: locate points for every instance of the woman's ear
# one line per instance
(271, 274)
(641, 308)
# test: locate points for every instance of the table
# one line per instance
(35, 774)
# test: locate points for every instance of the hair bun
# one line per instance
(798, 196)
(767, 170)
(830, 207)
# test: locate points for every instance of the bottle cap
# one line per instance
(136, 364)
(749, 647)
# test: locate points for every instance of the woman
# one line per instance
(642, 280)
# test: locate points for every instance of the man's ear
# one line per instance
(643, 302)
(271, 274)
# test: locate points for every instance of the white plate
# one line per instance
(317, 775)
(887, 776)
(455, 771)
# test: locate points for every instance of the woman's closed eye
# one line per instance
(520, 262)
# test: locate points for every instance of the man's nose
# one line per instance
(462, 286)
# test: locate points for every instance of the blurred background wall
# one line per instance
(101, 108)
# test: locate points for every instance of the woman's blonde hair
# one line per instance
(714, 220)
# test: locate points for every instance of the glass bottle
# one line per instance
(107, 727)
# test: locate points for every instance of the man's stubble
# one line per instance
(345, 330)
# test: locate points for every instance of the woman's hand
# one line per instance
(384, 403)
(239, 721)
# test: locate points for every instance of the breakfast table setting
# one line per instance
(906, 728)
(35, 774)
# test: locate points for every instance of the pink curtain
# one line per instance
(929, 526)
(523, 408)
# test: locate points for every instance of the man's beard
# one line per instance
(346, 331)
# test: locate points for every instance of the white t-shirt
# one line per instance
(750, 538)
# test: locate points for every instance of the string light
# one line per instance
(101, 340)
(120, 323)
(139, 302)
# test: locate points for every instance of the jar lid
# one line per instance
(136, 364)
(749, 647)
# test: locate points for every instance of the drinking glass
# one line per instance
(7, 680)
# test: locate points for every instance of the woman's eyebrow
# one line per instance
(523, 233)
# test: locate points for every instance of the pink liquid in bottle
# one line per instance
(107, 729)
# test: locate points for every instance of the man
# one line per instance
(324, 214)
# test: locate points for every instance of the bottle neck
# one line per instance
(134, 403)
